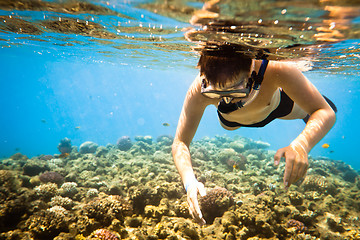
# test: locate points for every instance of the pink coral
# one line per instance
(105, 234)
(300, 227)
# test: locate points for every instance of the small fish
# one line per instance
(166, 124)
(77, 127)
(235, 166)
(325, 145)
(43, 120)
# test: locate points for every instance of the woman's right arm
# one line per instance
(191, 114)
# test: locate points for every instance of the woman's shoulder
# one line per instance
(295, 65)
(278, 71)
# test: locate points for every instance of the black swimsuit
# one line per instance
(285, 107)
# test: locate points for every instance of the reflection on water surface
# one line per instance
(287, 29)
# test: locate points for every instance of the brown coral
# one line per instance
(237, 162)
(47, 224)
(16, 156)
(53, 177)
(106, 209)
(215, 203)
(7, 180)
(318, 183)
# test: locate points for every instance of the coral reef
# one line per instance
(165, 140)
(107, 208)
(46, 191)
(124, 143)
(145, 139)
(19, 156)
(33, 167)
(300, 227)
(64, 146)
(64, 202)
(133, 191)
(53, 177)
(105, 234)
(215, 203)
(47, 224)
(318, 183)
(46, 157)
(68, 189)
(88, 147)
(7, 180)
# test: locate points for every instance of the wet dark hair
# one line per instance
(219, 67)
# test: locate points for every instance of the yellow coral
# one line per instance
(158, 228)
(353, 234)
(80, 237)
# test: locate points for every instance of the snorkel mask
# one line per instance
(237, 91)
(247, 93)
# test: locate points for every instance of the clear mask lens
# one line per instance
(237, 93)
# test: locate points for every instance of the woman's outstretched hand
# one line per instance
(296, 163)
(192, 199)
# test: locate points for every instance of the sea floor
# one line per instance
(131, 190)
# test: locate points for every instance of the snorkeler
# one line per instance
(250, 93)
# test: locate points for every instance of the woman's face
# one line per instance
(237, 82)
(236, 88)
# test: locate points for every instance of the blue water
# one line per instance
(49, 92)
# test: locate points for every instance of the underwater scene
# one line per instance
(91, 93)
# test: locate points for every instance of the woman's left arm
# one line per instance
(321, 120)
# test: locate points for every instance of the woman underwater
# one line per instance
(250, 93)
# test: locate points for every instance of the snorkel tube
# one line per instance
(257, 80)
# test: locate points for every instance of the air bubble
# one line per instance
(332, 26)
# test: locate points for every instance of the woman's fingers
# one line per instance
(278, 155)
(289, 173)
(296, 164)
(194, 207)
